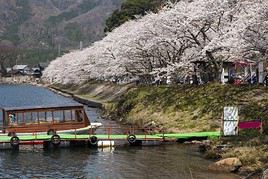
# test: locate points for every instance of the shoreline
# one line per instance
(89, 103)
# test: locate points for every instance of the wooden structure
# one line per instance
(43, 119)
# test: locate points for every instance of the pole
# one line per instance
(59, 50)
(81, 45)
(222, 76)
(251, 77)
(261, 72)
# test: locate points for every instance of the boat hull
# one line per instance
(85, 130)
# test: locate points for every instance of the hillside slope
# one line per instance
(45, 24)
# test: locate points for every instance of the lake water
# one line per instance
(165, 161)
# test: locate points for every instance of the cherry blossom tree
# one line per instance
(168, 42)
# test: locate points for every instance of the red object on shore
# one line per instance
(250, 125)
(237, 82)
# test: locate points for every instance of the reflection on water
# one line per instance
(172, 161)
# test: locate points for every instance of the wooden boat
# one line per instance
(70, 119)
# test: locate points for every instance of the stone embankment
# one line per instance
(81, 100)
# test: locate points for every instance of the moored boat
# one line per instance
(69, 119)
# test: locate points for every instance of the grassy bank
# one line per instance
(178, 108)
(188, 108)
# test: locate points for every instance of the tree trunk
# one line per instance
(216, 67)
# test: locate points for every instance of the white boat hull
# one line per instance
(84, 130)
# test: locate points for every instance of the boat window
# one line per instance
(1, 119)
(68, 115)
(20, 118)
(28, 117)
(49, 116)
(73, 115)
(34, 117)
(58, 116)
(79, 115)
(42, 117)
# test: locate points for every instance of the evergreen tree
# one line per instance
(129, 9)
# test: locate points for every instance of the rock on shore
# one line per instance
(265, 174)
(227, 165)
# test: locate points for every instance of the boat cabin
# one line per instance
(43, 119)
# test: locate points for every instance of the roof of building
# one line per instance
(35, 69)
(19, 67)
